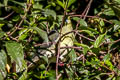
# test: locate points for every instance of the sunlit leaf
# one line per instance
(116, 27)
(88, 28)
(107, 61)
(99, 40)
(23, 34)
(60, 3)
(1, 25)
(89, 32)
(102, 22)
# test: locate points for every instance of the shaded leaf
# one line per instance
(45, 58)
(17, 10)
(70, 3)
(109, 12)
(15, 51)
(49, 12)
(3, 62)
(85, 47)
(19, 3)
(72, 55)
(5, 3)
(23, 75)
(1, 77)
(1, 34)
(42, 33)
(1, 5)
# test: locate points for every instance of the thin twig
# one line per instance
(47, 28)
(84, 14)
(87, 9)
(17, 26)
(93, 17)
(85, 37)
(105, 43)
(8, 15)
(58, 46)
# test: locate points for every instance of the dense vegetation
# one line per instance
(25, 26)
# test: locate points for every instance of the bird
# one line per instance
(65, 40)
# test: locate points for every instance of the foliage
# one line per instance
(25, 28)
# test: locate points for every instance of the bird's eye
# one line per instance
(66, 20)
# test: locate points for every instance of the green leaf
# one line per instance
(1, 76)
(83, 23)
(109, 12)
(37, 6)
(60, 3)
(88, 28)
(84, 46)
(116, 27)
(5, 3)
(23, 75)
(19, 3)
(1, 5)
(116, 22)
(1, 34)
(76, 18)
(102, 22)
(48, 12)
(72, 55)
(99, 40)
(45, 58)
(23, 34)
(42, 33)
(15, 51)
(106, 59)
(89, 32)
(17, 9)
(1, 25)
(3, 62)
(70, 3)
